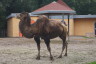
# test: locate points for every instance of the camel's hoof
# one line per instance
(38, 58)
(60, 56)
(51, 58)
(65, 54)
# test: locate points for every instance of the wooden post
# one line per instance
(63, 17)
(68, 26)
(48, 16)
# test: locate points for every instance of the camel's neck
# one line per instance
(26, 28)
(26, 21)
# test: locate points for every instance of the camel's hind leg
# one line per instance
(37, 39)
(66, 49)
(47, 42)
(64, 46)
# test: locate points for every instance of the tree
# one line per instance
(44, 2)
(21, 5)
(2, 15)
(92, 9)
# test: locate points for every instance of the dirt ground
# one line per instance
(81, 50)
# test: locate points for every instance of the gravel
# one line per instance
(81, 50)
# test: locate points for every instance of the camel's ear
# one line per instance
(23, 12)
(18, 15)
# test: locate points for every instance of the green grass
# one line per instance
(88, 37)
(92, 62)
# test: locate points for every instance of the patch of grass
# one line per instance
(88, 37)
(92, 62)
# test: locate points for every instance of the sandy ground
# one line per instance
(24, 51)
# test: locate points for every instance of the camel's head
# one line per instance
(22, 15)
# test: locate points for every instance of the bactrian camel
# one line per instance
(45, 29)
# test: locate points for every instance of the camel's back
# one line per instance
(50, 28)
(54, 28)
(54, 25)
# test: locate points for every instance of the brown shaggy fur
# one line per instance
(45, 29)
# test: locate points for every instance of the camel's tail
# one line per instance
(67, 33)
(64, 22)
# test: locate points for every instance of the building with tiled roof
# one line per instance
(80, 25)
(55, 7)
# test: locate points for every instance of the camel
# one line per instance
(45, 29)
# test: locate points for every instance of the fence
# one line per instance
(3, 33)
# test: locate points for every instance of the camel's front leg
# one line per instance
(37, 39)
(47, 42)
